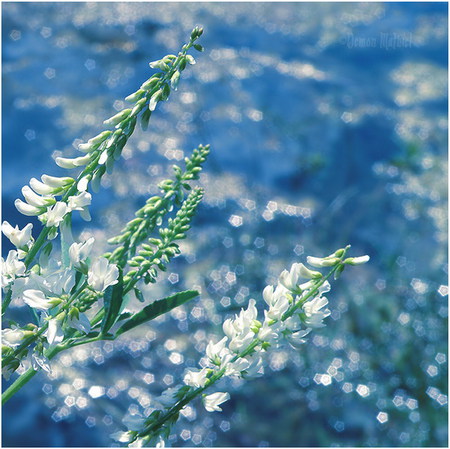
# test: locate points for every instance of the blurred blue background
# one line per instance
(328, 126)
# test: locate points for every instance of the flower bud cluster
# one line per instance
(157, 207)
(159, 251)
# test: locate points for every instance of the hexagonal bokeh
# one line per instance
(328, 126)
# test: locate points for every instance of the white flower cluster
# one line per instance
(40, 200)
(48, 288)
(295, 306)
(294, 309)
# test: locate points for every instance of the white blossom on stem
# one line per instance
(12, 337)
(196, 378)
(19, 238)
(80, 322)
(55, 215)
(54, 332)
(102, 274)
(11, 268)
(79, 252)
(28, 209)
(36, 299)
(212, 401)
(314, 315)
(80, 202)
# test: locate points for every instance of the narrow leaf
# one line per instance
(112, 299)
(156, 309)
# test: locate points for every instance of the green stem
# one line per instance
(27, 376)
(36, 246)
(6, 301)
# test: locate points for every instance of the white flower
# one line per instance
(313, 313)
(212, 401)
(102, 274)
(83, 183)
(196, 378)
(255, 368)
(69, 163)
(324, 288)
(36, 200)
(12, 337)
(322, 262)
(267, 332)
(11, 268)
(21, 284)
(55, 182)
(235, 368)
(154, 100)
(36, 299)
(80, 201)
(56, 214)
(54, 332)
(80, 323)
(297, 338)
(59, 281)
(41, 188)
(79, 252)
(241, 341)
(27, 209)
(357, 260)
(216, 351)
(277, 301)
(121, 437)
(19, 238)
(289, 279)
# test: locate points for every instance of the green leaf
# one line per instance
(124, 316)
(112, 299)
(156, 309)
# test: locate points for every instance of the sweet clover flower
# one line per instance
(54, 331)
(19, 238)
(196, 378)
(37, 300)
(79, 252)
(102, 274)
(213, 401)
(11, 268)
(12, 337)
(55, 215)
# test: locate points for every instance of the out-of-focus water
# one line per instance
(328, 126)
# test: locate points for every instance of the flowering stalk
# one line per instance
(156, 208)
(294, 309)
(100, 154)
(60, 292)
